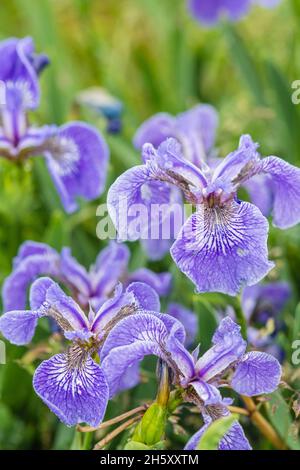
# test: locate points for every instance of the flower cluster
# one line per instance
(113, 317)
(223, 245)
(76, 154)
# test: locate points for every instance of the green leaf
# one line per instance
(280, 416)
(287, 112)
(133, 445)
(245, 63)
(216, 431)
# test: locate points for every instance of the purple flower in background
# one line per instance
(225, 364)
(209, 12)
(87, 287)
(72, 383)
(262, 305)
(76, 154)
(187, 318)
(223, 245)
(194, 129)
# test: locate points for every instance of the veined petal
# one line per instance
(134, 338)
(286, 191)
(235, 439)
(130, 379)
(77, 158)
(114, 307)
(146, 297)
(187, 318)
(57, 305)
(195, 129)
(74, 387)
(33, 260)
(228, 348)
(256, 373)
(130, 341)
(240, 165)
(222, 249)
(161, 282)
(19, 326)
(142, 207)
(168, 163)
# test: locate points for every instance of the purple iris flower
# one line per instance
(209, 12)
(87, 287)
(223, 245)
(225, 364)
(72, 383)
(196, 131)
(76, 154)
(262, 304)
(187, 318)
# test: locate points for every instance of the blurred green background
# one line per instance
(154, 57)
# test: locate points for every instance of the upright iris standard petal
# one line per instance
(18, 326)
(222, 249)
(110, 267)
(286, 191)
(239, 165)
(155, 130)
(74, 387)
(74, 273)
(132, 200)
(228, 348)
(134, 338)
(32, 261)
(209, 394)
(256, 373)
(128, 343)
(146, 297)
(47, 297)
(77, 158)
(20, 65)
(195, 129)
